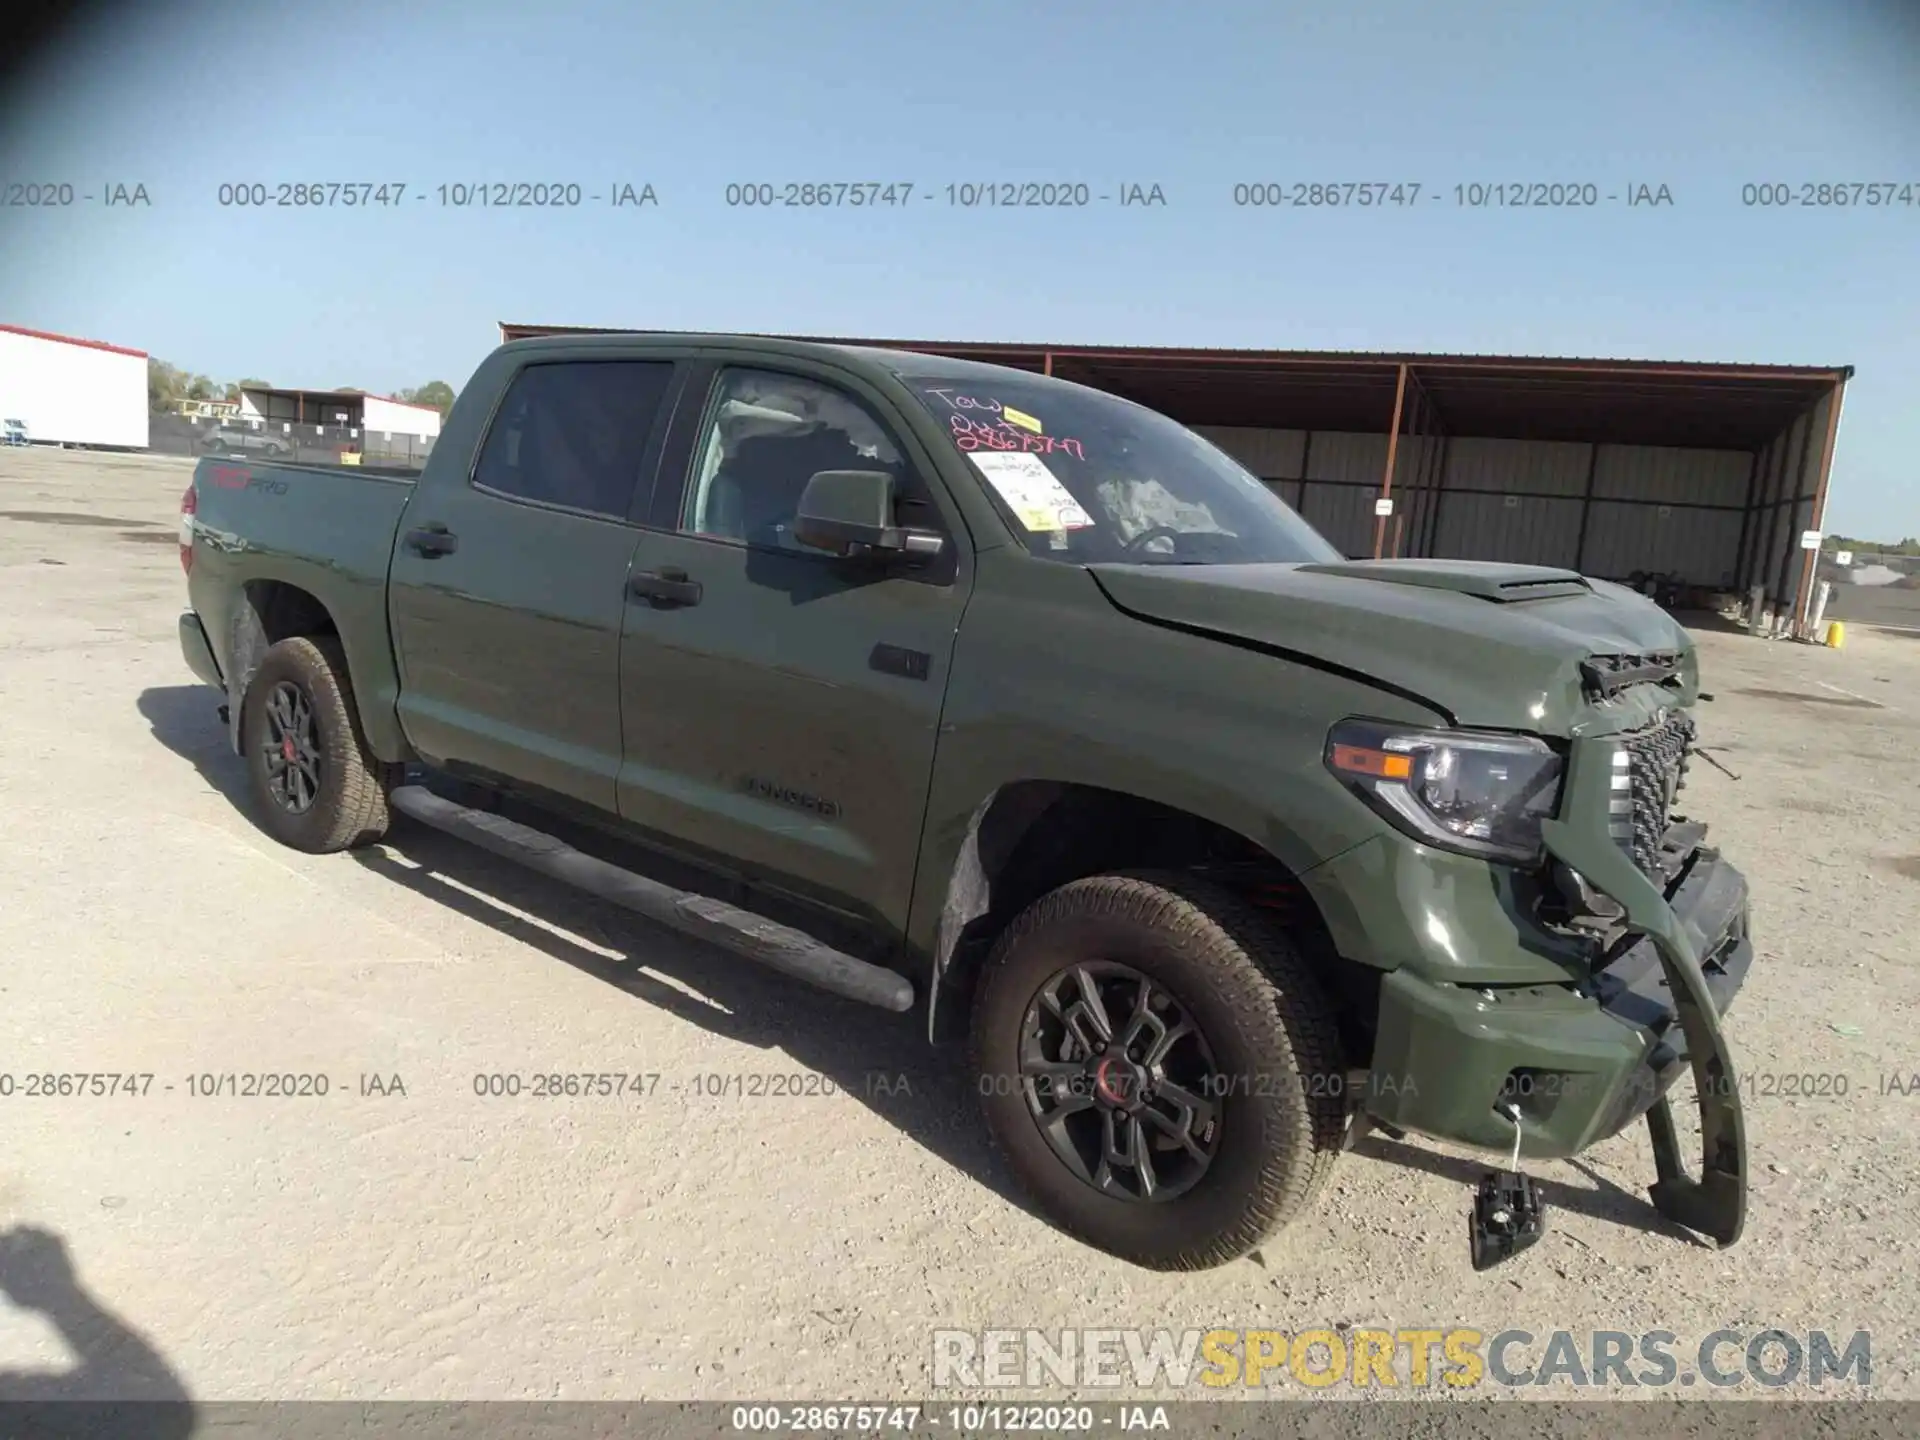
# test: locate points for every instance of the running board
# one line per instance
(780, 947)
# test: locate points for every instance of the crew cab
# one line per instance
(976, 694)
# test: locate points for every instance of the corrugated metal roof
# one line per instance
(1700, 404)
(1437, 359)
(295, 393)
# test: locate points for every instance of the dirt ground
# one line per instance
(703, 1242)
(1892, 607)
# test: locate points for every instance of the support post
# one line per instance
(1746, 516)
(1393, 449)
(1783, 510)
(1822, 593)
(1586, 509)
(1416, 430)
(1810, 559)
(1439, 493)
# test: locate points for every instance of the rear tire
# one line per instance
(1228, 1176)
(316, 785)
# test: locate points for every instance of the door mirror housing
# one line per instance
(849, 513)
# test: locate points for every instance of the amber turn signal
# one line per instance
(1380, 764)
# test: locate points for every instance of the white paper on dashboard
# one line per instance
(1034, 493)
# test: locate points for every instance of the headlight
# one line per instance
(1478, 792)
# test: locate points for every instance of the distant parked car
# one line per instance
(241, 442)
(13, 432)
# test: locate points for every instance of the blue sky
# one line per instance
(1702, 98)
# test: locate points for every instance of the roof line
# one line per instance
(332, 395)
(1343, 359)
(73, 340)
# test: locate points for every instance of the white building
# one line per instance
(73, 392)
(395, 417)
(344, 421)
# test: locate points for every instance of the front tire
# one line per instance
(315, 784)
(1159, 1067)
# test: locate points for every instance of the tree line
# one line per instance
(1908, 546)
(168, 385)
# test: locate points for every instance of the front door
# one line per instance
(507, 595)
(781, 707)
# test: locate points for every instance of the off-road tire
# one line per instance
(1273, 1036)
(350, 808)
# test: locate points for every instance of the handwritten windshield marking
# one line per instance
(970, 432)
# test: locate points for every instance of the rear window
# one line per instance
(574, 433)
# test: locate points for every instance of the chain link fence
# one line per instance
(286, 440)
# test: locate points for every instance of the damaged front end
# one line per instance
(1618, 892)
(1669, 918)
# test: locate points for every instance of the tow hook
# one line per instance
(1508, 1213)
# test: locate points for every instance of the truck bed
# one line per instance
(262, 531)
(339, 516)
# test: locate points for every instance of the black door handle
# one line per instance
(664, 588)
(432, 541)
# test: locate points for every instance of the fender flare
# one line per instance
(247, 646)
(995, 829)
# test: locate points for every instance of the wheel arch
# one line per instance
(269, 609)
(1029, 837)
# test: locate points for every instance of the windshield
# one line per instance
(1087, 477)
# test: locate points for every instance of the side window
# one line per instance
(574, 433)
(766, 435)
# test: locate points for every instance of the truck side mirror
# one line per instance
(849, 513)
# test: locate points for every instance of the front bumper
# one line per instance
(1579, 1067)
(198, 652)
(1579, 1061)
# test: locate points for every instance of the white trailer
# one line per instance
(73, 392)
(394, 417)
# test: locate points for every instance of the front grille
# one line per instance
(1649, 767)
(1606, 676)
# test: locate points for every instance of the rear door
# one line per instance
(507, 592)
(780, 707)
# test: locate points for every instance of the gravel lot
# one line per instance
(1887, 606)
(435, 1244)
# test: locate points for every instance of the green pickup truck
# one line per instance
(966, 691)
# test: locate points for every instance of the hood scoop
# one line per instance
(1483, 579)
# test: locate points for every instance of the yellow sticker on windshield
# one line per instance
(1020, 418)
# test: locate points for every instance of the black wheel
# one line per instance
(1159, 1068)
(315, 784)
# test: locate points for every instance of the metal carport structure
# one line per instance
(1708, 473)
